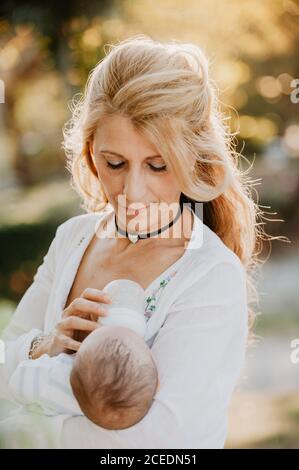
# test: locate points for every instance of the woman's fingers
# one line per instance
(77, 323)
(82, 316)
(69, 343)
(82, 305)
(96, 294)
(94, 317)
(88, 306)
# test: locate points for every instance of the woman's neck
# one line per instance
(176, 235)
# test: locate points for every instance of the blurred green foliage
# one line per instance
(25, 246)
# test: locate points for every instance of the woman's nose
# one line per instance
(134, 187)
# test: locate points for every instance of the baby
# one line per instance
(114, 377)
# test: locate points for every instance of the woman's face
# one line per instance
(132, 173)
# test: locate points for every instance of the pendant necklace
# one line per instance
(134, 237)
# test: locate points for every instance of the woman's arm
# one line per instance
(199, 352)
(28, 318)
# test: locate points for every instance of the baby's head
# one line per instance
(114, 377)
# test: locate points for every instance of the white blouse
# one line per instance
(197, 326)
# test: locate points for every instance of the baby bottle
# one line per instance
(127, 306)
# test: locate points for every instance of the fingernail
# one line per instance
(102, 310)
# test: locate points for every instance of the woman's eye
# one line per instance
(114, 167)
(120, 165)
(158, 168)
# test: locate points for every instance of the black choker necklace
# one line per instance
(134, 237)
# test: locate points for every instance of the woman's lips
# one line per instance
(135, 211)
(131, 211)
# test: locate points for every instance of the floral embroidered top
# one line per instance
(151, 301)
(197, 378)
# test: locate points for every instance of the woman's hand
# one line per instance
(77, 321)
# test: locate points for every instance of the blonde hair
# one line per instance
(166, 91)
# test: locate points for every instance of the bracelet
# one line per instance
(35, 343)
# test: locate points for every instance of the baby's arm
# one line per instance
(44, 384)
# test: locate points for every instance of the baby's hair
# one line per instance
(112, 387)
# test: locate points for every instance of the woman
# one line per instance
(147, 134)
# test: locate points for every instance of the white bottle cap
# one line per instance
(127, 307)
